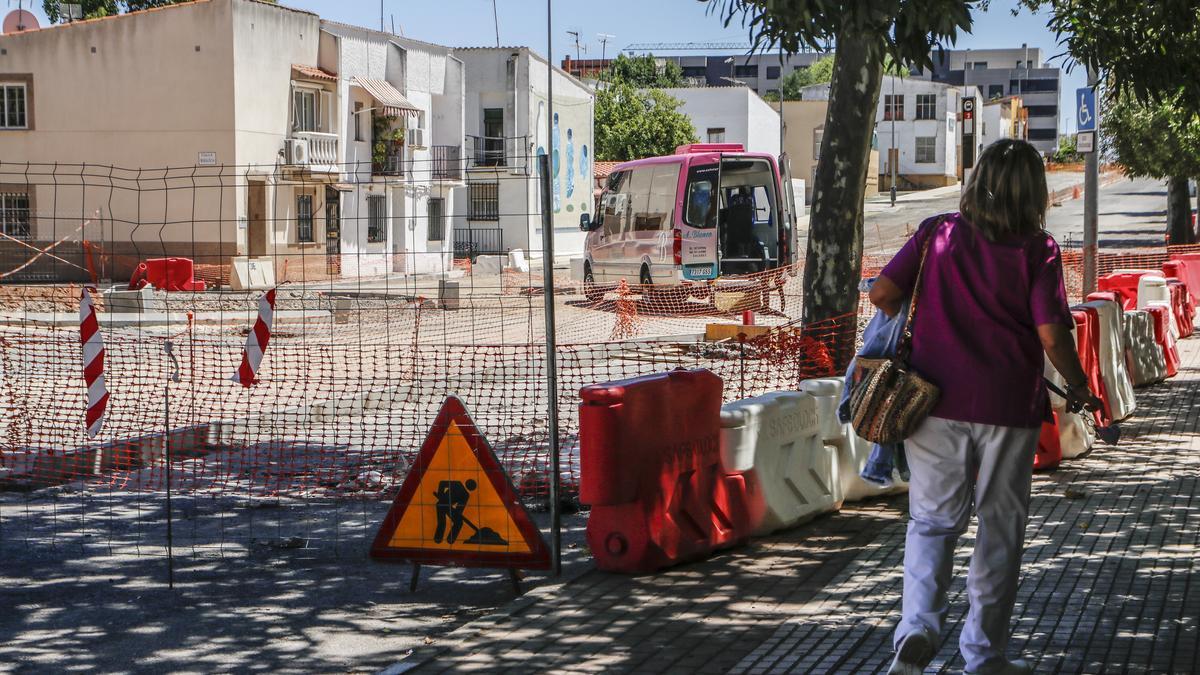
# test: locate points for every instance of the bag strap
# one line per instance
(904, 347)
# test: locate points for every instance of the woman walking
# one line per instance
(992, 301)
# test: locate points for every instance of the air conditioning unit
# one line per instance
(415, 137)
(297, 152)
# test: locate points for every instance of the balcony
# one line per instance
(316, 151)
(497, 151)
(446, 162)
(392, 161)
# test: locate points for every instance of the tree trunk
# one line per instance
(833, 265)
(1179, 212)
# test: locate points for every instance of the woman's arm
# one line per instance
(1060, 348)
(886, 295)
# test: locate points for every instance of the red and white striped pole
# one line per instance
(256, 341)
(93, 364)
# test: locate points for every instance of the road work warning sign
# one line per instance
(457, 506)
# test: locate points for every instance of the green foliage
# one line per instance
(95, 9)
(1153, 139)
(820, 72)
(92, 9)
(385, 129)
(644, 73)
(908, 29)
(1067, 152)
(633, 123)
(1150, 50)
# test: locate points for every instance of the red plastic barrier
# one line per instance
(1188, 272)
(1162, 335)
(1106, 296)
(1087, 341)
(650, 467)
(166, 274)
(1049, 450)
(1124, 284)
(1181, 304)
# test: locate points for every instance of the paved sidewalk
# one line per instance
(1106, 582)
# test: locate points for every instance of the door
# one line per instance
(493, 137)
(787, 214)
(256, 211)
(333, 232)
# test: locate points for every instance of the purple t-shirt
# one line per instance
(975, 331)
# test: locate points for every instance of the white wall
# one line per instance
(746, 118)
(943, 127)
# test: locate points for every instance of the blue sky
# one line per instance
(523, 22)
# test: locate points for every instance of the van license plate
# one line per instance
(701, 271)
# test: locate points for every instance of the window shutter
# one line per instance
(326, 114)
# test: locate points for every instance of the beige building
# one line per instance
(803, 129)
(225, 128)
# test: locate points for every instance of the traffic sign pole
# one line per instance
(1087, 116)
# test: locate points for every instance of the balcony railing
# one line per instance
(322, 149)
(447, 162)
(498, 151)
(393, 160)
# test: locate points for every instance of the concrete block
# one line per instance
(489, 264)
(118, 300)
(448, 295)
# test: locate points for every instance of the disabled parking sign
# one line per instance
(457, 505)
(1085, 108)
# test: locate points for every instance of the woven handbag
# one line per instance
(888, 401)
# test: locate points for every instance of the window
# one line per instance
(1043, 134)
(484, 201)
(304, 218)
(762, 204)
(304, 110)
(701, 193)
(1042, 110)
(995, 91)
(926, 149)
(659, 210)
(437, 218)
(13, 107)
(695, 71)
(746, 71)
(716, 134)
(818, 137)
(358, 128)
(376, 218)
(772, 72)
(978, 65)
(926, 106)
(893, 107)
(1033, 86)
(14, 215)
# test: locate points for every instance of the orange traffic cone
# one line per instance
(1075, 192)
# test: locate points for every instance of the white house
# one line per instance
(401, 148)
(506, 130)
(735, 114)
(251, 136)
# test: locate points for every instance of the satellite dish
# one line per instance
(19, 20)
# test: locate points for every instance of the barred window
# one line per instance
(893, 107)
(926, 106)
(13, 107)
(304, 218)
(926, 149)
(376, 218)
(14, 215)
(485, 201)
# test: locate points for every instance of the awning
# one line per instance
(313, 73)
(388, 97)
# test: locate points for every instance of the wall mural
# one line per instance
(563, 166)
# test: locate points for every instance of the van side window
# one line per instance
(661, 210)
(613, 205)
(762, 205)
(701, 209)
(638, 189)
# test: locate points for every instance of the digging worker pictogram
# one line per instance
(452, 497)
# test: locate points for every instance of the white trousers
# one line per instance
(949, 461)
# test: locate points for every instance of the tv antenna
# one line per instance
(604, 39)
(575, 34)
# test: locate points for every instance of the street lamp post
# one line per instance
(893, 154)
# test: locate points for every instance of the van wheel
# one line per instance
(591, 291)
(645, 280)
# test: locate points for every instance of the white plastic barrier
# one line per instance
(1074, 434)
(852, 450)
(1112, 359)
(776, 438)
(1143, 356)
(1154, 292)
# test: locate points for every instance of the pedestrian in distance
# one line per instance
(992, 302)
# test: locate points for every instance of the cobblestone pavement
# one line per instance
(1106, 581)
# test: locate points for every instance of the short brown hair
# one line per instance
(1006, 194)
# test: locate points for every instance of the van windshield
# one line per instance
(701, 208)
